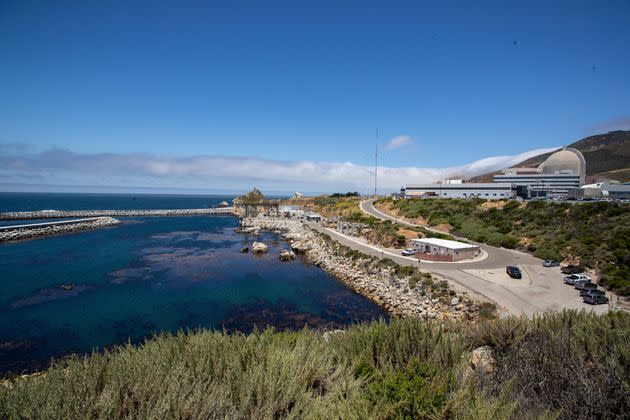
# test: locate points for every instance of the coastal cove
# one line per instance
(156, 274)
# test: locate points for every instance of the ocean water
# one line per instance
(151, 275)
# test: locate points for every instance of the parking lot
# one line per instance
(540, 290)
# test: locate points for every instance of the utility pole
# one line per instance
(375, 162)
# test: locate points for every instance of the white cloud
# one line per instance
(64, 167)
(398, 142)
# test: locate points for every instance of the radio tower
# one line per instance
(376, 162)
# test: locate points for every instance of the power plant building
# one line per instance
(556, 176)
(561, 173)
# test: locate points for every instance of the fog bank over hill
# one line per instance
(52, 169)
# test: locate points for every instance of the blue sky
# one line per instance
(174, 86)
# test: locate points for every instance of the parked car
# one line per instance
(551, 263)
(409, 251)
(590, 290)
(584, 284)
(572, 269)
(594, 298)
(575, 277)
(513, 272)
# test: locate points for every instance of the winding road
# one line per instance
(540, 290)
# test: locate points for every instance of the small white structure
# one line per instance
(292, 212)
(435, 249)
(314, 217)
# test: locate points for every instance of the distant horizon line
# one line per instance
(111, 190)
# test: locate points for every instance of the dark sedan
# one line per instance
(513, 272)
(592, 290)
(572, 269)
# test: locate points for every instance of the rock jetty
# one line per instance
(36, 230)
(57, 214)
(363, 274)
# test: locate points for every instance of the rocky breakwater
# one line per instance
(36, 230)
(399, 294)
(56, 214)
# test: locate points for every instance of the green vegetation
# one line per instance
(567, 365)
(596, 233)
(348, 194)
(252, 197)
(335, 205)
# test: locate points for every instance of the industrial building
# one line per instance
(459, 189)
(561, 172)
(435, 249)
(601, 190)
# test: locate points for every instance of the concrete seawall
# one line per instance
(37, 230)
(58, 214)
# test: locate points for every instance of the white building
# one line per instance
(561, 172)
(443, 249)
(489, 191)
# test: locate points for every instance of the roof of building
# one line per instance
(444, 243)
(467, 186)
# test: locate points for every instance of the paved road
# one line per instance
(497, 257)
(540, 290)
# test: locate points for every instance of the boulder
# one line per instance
(482, 359)
(454, 301)
(259, 248)
(300, 247)
(287, 255)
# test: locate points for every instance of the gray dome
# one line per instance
(564, 161)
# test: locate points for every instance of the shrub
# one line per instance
(405, 270)
(415, 392)
(487, 310)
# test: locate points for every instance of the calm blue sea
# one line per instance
(150, 275)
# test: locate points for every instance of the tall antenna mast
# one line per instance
(376, 161)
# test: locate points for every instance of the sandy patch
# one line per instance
(444, 227)
(408, 234)
(497, 204)
(525, 241)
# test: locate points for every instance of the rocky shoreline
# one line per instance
(16, 233)
(55, 214)
(397, 294)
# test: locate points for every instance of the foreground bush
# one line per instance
(566, 365)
